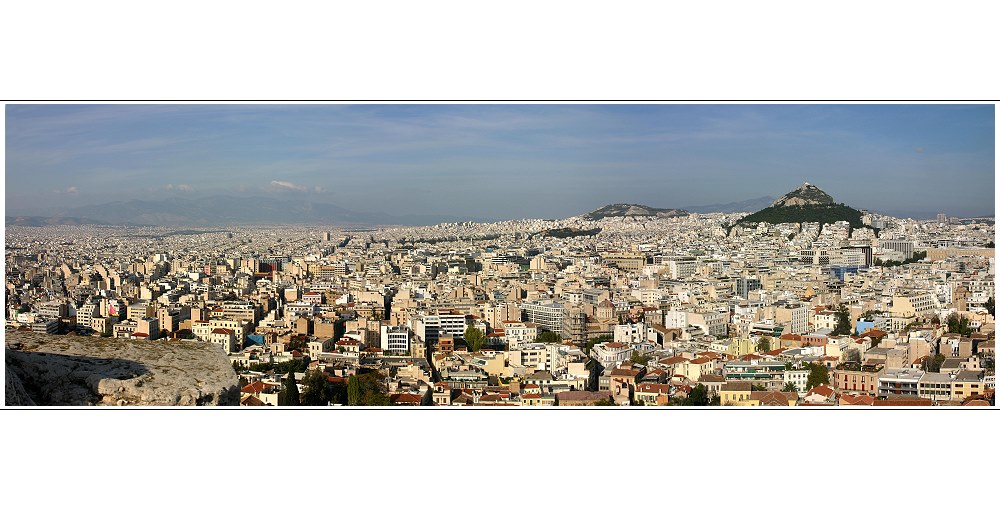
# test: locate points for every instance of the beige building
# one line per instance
(735, 393)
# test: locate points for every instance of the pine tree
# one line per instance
(290, 393)
(353, 391)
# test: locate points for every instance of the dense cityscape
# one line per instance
(624, 306)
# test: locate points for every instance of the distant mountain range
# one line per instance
(628, 210)
(44, 221)
(224, 210)
(807, 203)
(752, 204)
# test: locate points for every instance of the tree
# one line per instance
(764, 344)
(290, 392)
(698, 397)
(844, 326)
(548, 337)
(818, 374)
(594, 341)
(366, 390)
(353, 391)
(474, 338)
(317, 389)
(958, 324)
(991, 306)
(640, 358)
(757, 387)
(605, 402)
(789, 386)
(936, 362)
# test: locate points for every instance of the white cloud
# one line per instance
(185, 187)
(70, 191)
(287, 186)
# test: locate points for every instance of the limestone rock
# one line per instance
(73, 371)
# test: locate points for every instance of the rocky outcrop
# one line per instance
(807, 194)
(80, 371)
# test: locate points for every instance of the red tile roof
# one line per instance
(255, 387)
(822, 390)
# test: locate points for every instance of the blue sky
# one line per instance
(503, 161)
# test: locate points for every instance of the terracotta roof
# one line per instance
(673, 360)
(904, 402)
(856, 400)
(977, 402)
(255, 387)
(251, 400)
(404, 398)
(774, 398)
(736, 386)
(575, 395)
(653, 388)
(822, 390)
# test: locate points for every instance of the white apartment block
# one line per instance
(519, 333)
(396, 338)
(612, 354)
(634, 333)
(547, 314)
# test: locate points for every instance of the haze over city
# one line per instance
(502, 161)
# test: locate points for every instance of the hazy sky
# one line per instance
(503, 161)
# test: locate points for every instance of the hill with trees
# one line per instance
(626, 210)
(807, 204)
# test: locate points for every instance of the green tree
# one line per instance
(548, 337)
(605, 402)
(936, 362)
(297, 342)
(640, 358)
(991, 306)
(844, 326)
(594, 341)
(353, 391)
(317, 389)
(764, 344)
(958, 324)
(757, 387)
(366, 390)
(789, 386)
(290, 392)
(698, 397)
(474, 338)
(818, 374)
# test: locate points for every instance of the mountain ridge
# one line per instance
(225, 209)
(632, 210)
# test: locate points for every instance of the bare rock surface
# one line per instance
(80, 371)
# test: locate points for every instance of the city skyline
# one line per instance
(502, 161)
